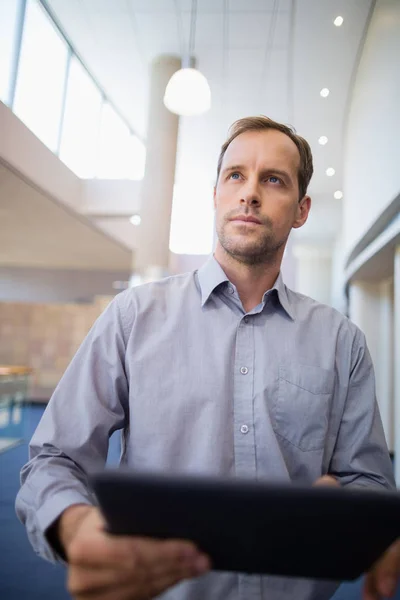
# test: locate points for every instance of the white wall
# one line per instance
(338, 295)
(314, 271)
(183, 263)
(288, 267)
(372, 173)
(371, 185)
(108, 203)
(110, 197)
(372, 309)
(56, 285)
(25, 153)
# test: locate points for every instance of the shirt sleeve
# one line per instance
(361, 457)
(71, 440)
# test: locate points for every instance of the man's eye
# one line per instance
(274, 179)
(234, 175)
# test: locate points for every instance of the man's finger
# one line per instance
(370, 591)
(165, 580)
(387, 571)
(327, 480)
(166, 552)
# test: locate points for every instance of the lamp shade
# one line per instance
(187, 93)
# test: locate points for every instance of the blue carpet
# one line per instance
(25, 576)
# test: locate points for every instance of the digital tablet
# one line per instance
(253, 526)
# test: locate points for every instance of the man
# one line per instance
(382, 580)
(221, 371)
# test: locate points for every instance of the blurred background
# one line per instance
(103, 187)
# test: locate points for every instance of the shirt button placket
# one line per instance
(244, 434)
(244, 438)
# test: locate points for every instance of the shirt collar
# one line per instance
(211, 275)
(283, 297)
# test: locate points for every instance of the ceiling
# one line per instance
(36, 231)
(260, 56)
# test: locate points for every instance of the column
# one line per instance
(397, 365)
(314, 271)
(385, 360)
(150, 260)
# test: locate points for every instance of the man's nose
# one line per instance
(250, 194)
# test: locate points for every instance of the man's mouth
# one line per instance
(247, 219)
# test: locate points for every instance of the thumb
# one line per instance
(387, 570)
(327, 480)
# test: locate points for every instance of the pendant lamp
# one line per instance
(188, 92)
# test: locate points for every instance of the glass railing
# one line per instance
(14, 390)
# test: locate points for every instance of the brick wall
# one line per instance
(45, 337)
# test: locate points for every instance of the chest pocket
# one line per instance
(301, 410)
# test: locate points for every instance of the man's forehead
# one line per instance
(266, 144)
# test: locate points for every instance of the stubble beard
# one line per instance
(263, 250)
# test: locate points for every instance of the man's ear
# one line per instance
(214, 196)
(303, 209)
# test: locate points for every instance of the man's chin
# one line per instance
(250, 253)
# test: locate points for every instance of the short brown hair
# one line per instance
(261, 123)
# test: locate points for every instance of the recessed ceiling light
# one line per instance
(323, 140)
(338, 195)
(338, 21)
(330, 172)
(135, 220)
(324, 92)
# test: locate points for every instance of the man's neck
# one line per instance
(251, 281)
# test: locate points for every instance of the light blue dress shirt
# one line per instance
(285, 392)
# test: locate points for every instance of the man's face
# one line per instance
(257, 196)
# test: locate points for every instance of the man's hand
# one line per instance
(107, 567)
(383, 578)
(327, 480)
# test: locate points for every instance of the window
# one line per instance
(81, 123)
(121, 154)
(9, 13)
(41, 76)
(58, 100)
(192, 219)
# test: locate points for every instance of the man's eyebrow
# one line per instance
(233, 168)
(269, 170)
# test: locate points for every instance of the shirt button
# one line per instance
(244, 429)
(246, 319)
(244, 370)
(231, 290)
